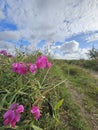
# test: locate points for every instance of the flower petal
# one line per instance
(6, 121)
(20, 109)
(7, 114)
(14, 106)
(36, 112)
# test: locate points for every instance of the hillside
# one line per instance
(67, 95)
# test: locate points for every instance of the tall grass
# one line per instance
(46, 89)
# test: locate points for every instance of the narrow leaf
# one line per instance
(35, 127)
(57, 106)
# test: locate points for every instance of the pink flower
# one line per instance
(29, 64)
(33, 68)
(8, 117)
(42, 62)
(36, 112)
(20, 109)
(19, 68)
(3, 52)
(10, 56)
(14, 106)
(48, 64)
(12, 116)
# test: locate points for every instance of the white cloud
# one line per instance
(10, 35)
(70, 47)
(80, 54)
(50, 20)
(68, 50)
(93, 37)
(8, 46)
(2, 16)
(45, 19)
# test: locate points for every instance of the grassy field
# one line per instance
(66, 94)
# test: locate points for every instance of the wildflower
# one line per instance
(29, 64)
(19, 68)
(10, 56)
(20, 109)
(48, 64)
(3, 52)
(36, 112)
(12, 116)
(33, 68)
(42, 62)
(13, 106)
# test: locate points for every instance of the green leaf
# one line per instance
(35, 127)
(57, 106)
(3, 101)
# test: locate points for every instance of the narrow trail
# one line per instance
(78, 98)
(94, 74)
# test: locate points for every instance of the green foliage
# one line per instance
(57, 106)
(88, 64)
(49, 90)
(91, 64)
(93, 53)
(35, 127)
(84, 83)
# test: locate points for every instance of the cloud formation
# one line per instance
(52, 19)
(8, 46)
(10, 35)
(70, 47)
(49, 20)
(68, 50)
(1, 15)
(93, 37)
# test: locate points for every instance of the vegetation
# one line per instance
(88, 64)
(93, 53)
(67, 95)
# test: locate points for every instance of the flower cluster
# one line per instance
(12, 116)
(4, 52)
(36, 112)
(19, 68)
(41, 63)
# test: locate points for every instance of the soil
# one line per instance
(94, 74)
(91, 118)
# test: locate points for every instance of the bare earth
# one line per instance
(92, 118)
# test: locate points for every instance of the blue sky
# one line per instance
(67, 29)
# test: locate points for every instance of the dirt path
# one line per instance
(94, 74)
(91, 118)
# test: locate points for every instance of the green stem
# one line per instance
(19, 82)
(45, 76)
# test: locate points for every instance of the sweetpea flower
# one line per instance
(12, 116)
(10, 56)
(19, 68)
(29, 64)
(42, 62)
(3, 52)
(33, 68)
(36, 112)
(48, 64)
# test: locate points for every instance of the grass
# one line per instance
(91, 64)
(25, 90)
